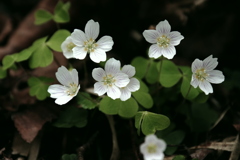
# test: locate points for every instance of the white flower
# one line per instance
(132, 86)
(163, 41)
(86, 43)
(69, 88)
(152, 148)
(67, 47)
(110, 80)
(203, 74)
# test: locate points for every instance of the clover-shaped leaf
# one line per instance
(141, 65)
(39, 86)
(125, 109)
(150, 122)
(42, 16)
(61, 14)
(85, 100)
(72, 117)
(143, 98)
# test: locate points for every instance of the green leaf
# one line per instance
(152, 72)
(169, 73)
(42, 16)
(173, 138)
(150, 122)
(24, 54)
(61, 14)
(3, 73)
(9, 60)
(187, 90)
(72, 117)
(201, 98)
(141, 65)
(125, 109)
(69, 157)
(42, 56)
(143, 86)
(85, 100)
(179, 157)
(143, 98)
(39, 86)
(57, 38)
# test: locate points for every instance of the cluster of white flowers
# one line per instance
(115, 82)
(153, 148)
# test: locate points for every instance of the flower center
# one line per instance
(70, 46)
(163, 41)
(72, 89)
(152, 148)
(90, 45)
(201, 74)
(108, 80)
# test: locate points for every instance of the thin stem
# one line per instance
(160, 68)
(115, 149)
(189, 89)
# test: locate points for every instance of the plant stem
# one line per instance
(115, 149)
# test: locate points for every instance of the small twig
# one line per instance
(115, 149)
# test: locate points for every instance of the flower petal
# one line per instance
(112, 66)
(133, 85)
(151, 36)
(197, 64)
(169, 52)
(129, 70)
(63, 100)
(56, 90)
(215, 76)
(98, 74)
(64, 46)
(194, 82)
(78, 37)
(92, 29)
(105, 43)
(113, 92)
(121, 79)
(79, 52)
(210, 63)
(175, 38)
(100, 88)
(163, 27)
(125, 94)
(63, 76)
(98, 55)
(154, 51)
(74, 75)
(206, 87)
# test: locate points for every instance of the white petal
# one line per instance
(175, 38)
(112, 66)
(210, 63)
(154, 51)
(163, 27)
(63, 100)
(98, 74)
(74, 75)
(56, 90)
(215, 76)
(151, 138)
(98, 55)
(105, 43)
(151, 36)
(129, 70)
(197, 64)
(161, 145)
(113, 92)
(194, 82)
(78, 37)
(68, 54)
(206, 87)
(92, 29)
(169, 52)
(79, 52)
(133, 85)
(125, 94)
(100, 88)
(121, 80)
(159, 156)
(63, 76)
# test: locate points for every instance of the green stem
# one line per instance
(160, 68)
